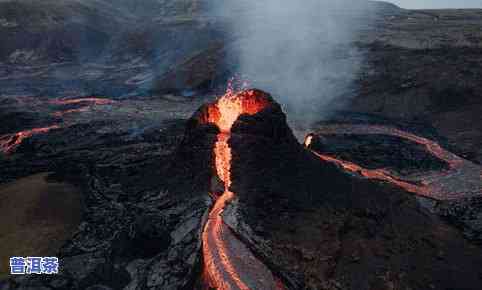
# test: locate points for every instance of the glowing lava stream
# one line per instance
(86, 102)
(228, 263)
(463, 179)
(90, 100)
(431, 146)
(10, 141)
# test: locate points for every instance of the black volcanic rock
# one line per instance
(320, 227)
(199, 72)
(263, 145)
(52, 30)
(15, 121)
(407, 83)
(192, 167)
(379, 151)
(258, 142)
(138, 229)
(314, 225)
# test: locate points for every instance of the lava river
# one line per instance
(462, 180)
(228, 263)
(85, 104)
(9, 142)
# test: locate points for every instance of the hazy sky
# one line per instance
(419, 4)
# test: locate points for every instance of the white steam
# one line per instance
(301, 52)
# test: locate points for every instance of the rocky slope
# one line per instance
(420, 65)
(345, 231)
(76, 47)
(132, 203)
(146, 199)
(145, 166)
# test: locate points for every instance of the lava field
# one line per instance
(201, 145)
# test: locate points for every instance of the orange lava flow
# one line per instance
(9, 142)
(220, 277)
(220, 271)
(431, 146)
(378, 174)
(459, 181)
(86, 102)
(91, 100)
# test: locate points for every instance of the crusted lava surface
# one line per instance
(140, 227)
(308, 222)
(321, 226)
(145, 165)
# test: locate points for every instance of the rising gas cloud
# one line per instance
(302, 52)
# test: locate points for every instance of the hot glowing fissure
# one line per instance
(219, 269)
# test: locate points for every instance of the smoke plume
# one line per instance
(300, 51)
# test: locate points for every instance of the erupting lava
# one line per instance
(10, 141)
(228, 108)
(228, 263)
(462, 180)
(308, 140)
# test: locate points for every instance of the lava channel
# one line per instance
(85, 103)
(434, 148)
(9, 142)
(462, 180)
(228, 263)
(90, 100)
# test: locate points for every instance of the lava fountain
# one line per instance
(228, 263)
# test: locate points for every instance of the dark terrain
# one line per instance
(144, 166)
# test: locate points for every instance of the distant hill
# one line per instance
(52, 30)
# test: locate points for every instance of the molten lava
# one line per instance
(85, 103)
(9, 142)
(460, 181)
(228, 108)
(431, 146)
(378, 174)
(228, 263)
(91, 101)
(308, 140)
